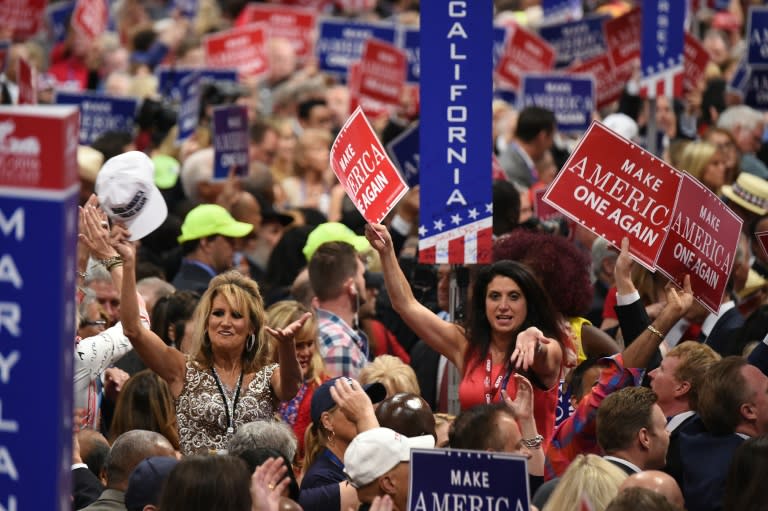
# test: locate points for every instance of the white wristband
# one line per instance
(627, 299)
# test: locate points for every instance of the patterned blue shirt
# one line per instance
(344, 350)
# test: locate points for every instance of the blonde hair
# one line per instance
(315, 440)
(282, 314)
(308, 138)
(393, 373)
(694, 158)
(589, 475)
(242, 294)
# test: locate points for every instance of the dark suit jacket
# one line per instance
(705, 465)
(674, 466)
(191, 277)
(727, 324)
(424, 361)
(86, 488)
(633, 320)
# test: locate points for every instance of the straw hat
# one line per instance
(750, 192)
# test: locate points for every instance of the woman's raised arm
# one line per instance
(444, 337)
(166, 361)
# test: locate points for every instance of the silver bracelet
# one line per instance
(533, 443)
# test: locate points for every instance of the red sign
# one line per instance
(372, 107)
(26, 77)
(241, 48)
(524, 52)
(90, 18)
(762, 240)
(615, 188)
(23, 17)
(695, 62)
(608, 85)
(33, 141)
(702, 241)
(411, 101)
(382, 70)
(293, 24)
(541, 209)
(317, 5)
(364, 169)
(622, 35)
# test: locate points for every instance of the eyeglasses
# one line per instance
(97, 322)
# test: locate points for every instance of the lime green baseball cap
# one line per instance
(210, 219)
(334, 231)
(166, 171)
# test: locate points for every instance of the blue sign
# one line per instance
(576, 40)
(756, 89)
(459, 479)
(340, 43)
(571, 98)
(662, 37)
(404, 151)
(738, 83)
(508, 95)
(230, 141)
(169, 79)
(565, 10)
(37, 329)
(189, 106)
(99, 114)
(757, 36)
(410, 43)
(499, 38)
(187, 8)
(59, 15)
(564, 408)
(455, 133)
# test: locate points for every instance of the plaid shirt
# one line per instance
(344, 350)
(578, 434)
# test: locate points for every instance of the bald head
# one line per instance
(128, 450)
(656, 481)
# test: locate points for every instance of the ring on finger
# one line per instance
(271, 486)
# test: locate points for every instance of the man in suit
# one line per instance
(676, 383)
(534, 136)
(732, 406)
(631, 430)
(207, 240)
(128, 450)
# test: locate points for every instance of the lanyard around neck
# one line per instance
(501, 380)
(227, 403)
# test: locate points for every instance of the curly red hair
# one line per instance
(560, 266)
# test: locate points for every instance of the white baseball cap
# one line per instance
(622, 124)
(127, 193)
(375, 452)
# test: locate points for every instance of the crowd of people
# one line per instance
(251, 343)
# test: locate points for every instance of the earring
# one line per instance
(251, 342)
(331, 437)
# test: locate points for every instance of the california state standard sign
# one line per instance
(615, 188)
(364, 170)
